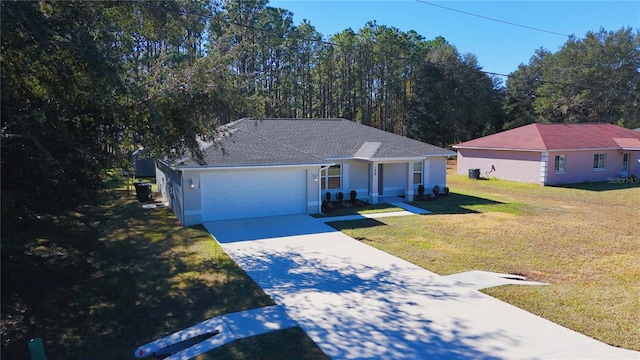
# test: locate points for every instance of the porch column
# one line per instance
(373, 182)
(408, 192)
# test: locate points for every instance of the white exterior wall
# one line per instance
(394, 179)
(169, 183)
(358, 179)
(434, 172)
(161, 182)
(190, 210)
(397, 178)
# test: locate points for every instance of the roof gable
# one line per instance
(549, 137)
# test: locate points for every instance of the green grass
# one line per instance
(458, 202)
(99, 282)
(583, 240)
(367, 209)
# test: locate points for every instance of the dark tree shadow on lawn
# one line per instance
(355, 224)
(454, 203)
(96, 284)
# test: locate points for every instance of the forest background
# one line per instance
(85, 83)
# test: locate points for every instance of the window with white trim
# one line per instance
(599, 161)
(417, 172)
(560, 163)
(331, 178)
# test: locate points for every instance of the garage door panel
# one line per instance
(252, 193)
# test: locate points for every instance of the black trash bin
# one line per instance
(474, 174)
(143, 191)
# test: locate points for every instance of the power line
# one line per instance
(493, 19)
(289, 36)
(355, 48)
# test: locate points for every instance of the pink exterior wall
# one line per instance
(522, 166)
(579, 166)
(526, 166)
(635, 164)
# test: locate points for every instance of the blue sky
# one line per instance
(500, 48)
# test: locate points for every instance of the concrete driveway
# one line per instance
(357, 302)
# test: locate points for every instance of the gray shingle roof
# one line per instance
(309, 141)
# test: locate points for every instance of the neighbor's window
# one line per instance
(599, 161)
(560, 163)
(330, 178)
(417, 172)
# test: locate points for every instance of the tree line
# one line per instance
(84, 83)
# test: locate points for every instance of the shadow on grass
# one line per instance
(455, 203)
(355, 224)
(99, 282)
(113, 181)
(613, 184)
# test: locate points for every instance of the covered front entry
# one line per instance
(237, 194)
(390, 179)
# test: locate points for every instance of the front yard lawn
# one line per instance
(99, 282)
(583, 240)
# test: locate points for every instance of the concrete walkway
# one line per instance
(357, 302)
(215, 332)
(479, 280)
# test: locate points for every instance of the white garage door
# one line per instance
(241, 194)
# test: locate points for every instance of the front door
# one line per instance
(625, 164)
(380, 177)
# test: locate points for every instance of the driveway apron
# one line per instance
(357, 302)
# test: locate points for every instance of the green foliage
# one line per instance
(58, 91)
(436, 190)
(353, 195)
(339, 196)
(84, 83)
(452, 101)
(594, 79)
(420, 190)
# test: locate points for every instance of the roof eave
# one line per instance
(450, 153)
(248, 166)
(497, 148)
(397, 158)
(541, 150)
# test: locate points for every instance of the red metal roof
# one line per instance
(559, 137)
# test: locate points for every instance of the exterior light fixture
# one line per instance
(192, 185)
(315, 178)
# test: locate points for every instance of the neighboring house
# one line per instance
(271, 167)
(142, 165)
(551, 154)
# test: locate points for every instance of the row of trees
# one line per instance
(85, 82)
(595, 79)
(369, 76)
